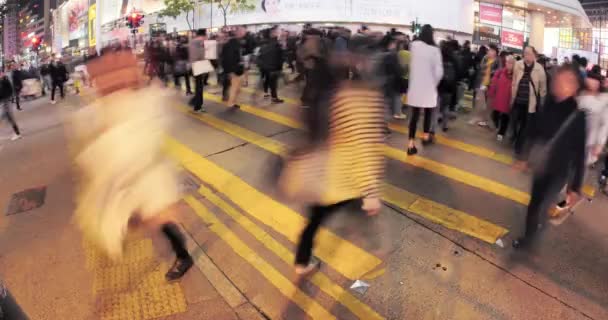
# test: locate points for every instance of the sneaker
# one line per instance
(236, 106)
(266, 95)
(603, 181)
(400, 116)
(306, 270)
(53, 102)
(277, 100)
(15, 137)
(499, 138)
(179, 268)
(482, 124)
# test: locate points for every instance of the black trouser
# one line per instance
(318, 214)
(7, 113)
(18, 98)
(546, 189)
(501, 121)
(428, 117)
(520, 122)
(271, 81)
(186, 76)
(197, 99)
(176, 239)
(57, 84)
(605, 172)
(225, 86)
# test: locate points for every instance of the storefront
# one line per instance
(505, 26)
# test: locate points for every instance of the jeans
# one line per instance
(55, 86)
(318, 214)
(7, 113)
(428, 117)
(46, 84)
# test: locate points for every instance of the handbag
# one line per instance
(302, 177)
(201, 67)
(181, 68)
(539, 155)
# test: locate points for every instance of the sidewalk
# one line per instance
(53, 274)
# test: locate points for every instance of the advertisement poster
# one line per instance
(490, 14)
(65, 31)
(485, 35)
(92, 18)
(78, 13)
(512, 39)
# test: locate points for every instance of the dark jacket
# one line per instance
(568, 153)
(6, 89)
(45, 70)
(18, 77)
(231, 56)
(271, 56)
(59, 73)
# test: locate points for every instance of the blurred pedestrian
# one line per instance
(196, 54)
(271, 60)
(426, 71)
(391, 74)
(529, 89)
(499, 96)
(59, 76)
(45, 73)
(180, 65)
(487, 67)
(232, 64)
(354, 145)
(557, 155)
(448, 85)
(6, 92)
(594, 101)
(18, 75)
(126, 176)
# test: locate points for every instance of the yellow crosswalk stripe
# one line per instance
(359, 309)
(442, 215)
(332, 249)
(453, 173)
(284, 285)
(440, 139)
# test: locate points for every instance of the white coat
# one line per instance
(426, 71)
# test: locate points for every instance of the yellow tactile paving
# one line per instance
(133, 288)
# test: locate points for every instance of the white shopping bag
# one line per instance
(201, 67)
(210, 49)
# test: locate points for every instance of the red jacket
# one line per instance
(500, 91)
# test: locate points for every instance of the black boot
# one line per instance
(183, 261)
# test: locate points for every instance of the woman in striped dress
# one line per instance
(353, 163)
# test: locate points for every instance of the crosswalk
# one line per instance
(256, 211)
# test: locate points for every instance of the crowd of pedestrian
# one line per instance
(554, 116)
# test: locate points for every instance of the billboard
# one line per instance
(490, 14)
(92, 19)
(112, 10)
(512, 39)
(78, 18)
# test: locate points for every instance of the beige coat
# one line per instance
(539, 78)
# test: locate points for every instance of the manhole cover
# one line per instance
(26, 200)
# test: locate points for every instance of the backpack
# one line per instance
(450, 75)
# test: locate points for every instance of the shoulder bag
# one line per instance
(540, 152)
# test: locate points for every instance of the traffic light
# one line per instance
(415, 27)
(35, 43)
(135, 20)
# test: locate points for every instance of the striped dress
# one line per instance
(351, 163)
